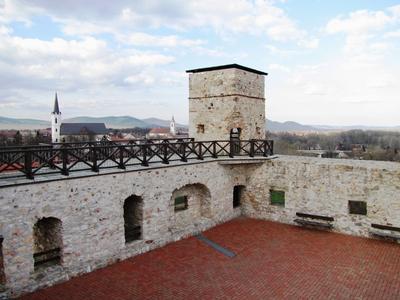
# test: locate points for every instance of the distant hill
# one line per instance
(11, 123)
(288, 126)
(161, 123)
(130, 122)
(291, 126)
(111, 121)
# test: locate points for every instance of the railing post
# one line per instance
(200, 155)
(64, 158)
(231, 149)
(251, 148)
(265, 147)
(144, 153)
(95, 168)
(271, 148)
(51, 159)
(165, 152)
(183, 149)
(268, 147)
(28, 164)
(121, 157)
(214, 150)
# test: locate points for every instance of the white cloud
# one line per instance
(365, 32)
(140, 78)
(359, 22)
(72, 64)
(278, 67)
(395, 10)
(392, 34)
(258, 17)
(168, 41)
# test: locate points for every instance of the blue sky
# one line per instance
(329, 62)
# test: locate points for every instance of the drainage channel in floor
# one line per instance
(215, 246)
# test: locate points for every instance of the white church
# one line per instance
(66, 132)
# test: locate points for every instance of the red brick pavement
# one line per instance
(274, 261)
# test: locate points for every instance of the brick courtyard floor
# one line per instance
(273, 261)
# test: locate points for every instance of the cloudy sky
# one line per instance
(329, 62)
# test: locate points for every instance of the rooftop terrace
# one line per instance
(272, 261)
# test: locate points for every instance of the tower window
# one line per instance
(56, 129)
(56, 121)
(200, 128)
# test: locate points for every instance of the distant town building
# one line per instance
(164, 132)
(161, 133)
(69, 132)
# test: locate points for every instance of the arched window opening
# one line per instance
(133, 218)
(47, 239)
(191, 201)
(237, 195)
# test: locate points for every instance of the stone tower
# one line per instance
(226, 102)
(55, 122)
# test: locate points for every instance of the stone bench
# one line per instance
(386, 232)
(314, 221)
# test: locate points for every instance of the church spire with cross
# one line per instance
(55, 122)
(56, 109)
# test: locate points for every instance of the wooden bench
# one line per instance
(378, 230)
(314, 221)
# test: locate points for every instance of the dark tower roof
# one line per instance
(236, 66)
(56, 109)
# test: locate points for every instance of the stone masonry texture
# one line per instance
(225, 99)
(91, 209)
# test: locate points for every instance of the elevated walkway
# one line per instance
(32, 164)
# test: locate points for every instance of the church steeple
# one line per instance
(56, 109)
(56, 122)
(172, 128)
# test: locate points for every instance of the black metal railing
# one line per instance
(31, 161)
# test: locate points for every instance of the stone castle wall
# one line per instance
(324, 187)
(224, 99)
(91, 209)
(91, 212)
